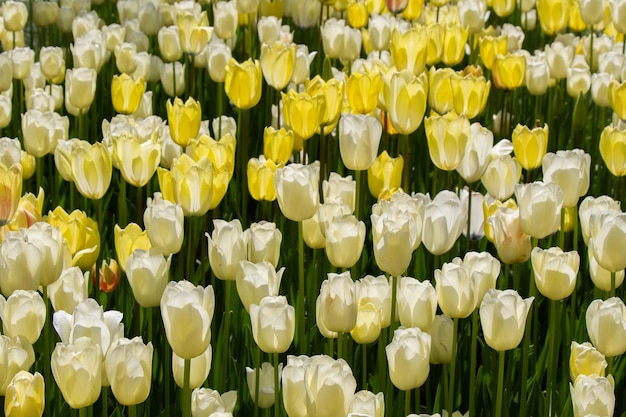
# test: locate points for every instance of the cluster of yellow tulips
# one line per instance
(312, 208)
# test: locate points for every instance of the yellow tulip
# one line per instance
(357, 14)
(447, 136)
(221, 152)
(553, 15)
(613, 150)
(509, 71)
(490, 47)
(183, 120)
(188, 183)
(405, 97)
(277, 63)
(434, 45)
(385, 174)
(303, 113)
(454, 41)
(10, 191)
(362, 90)
(440, 96)
(333, 91)
(92, 169)
(503, 8)
(243, 83)
(137, 161)
(413, 10)
(29, 212)
(470, 94)
(576, 21)
(261, 179)
(408, 49)
(81, 233)
(617, 98)
(28, 163)
(221, 180)
(490, 207)
(530, 146)
(277, 144)
(127, 240)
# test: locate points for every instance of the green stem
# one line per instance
(526, 346)
(167, 374)
(257, 377)
(226, 333)
(122, 204)
(407, 165)
(364, 366)
(276, 386)
(450, 397)
(562, 230)
(301, 316)
(612, 292)
(340, 352)
(46, 342)
(105, 401)
(500, 388)
(186, 398)
(394, 298)
(417, 400)
(174, 77)
(473, 352)
(82, 412)
(132, 412)
(550, 386)
(469, 220)
(407, 402)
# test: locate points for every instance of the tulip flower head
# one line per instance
(503, 318)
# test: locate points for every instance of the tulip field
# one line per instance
(312, 208)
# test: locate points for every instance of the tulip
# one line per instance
(417, 303)
(80, 85)
(303, 113)
(408, 49)
(126, 93)
(512, 244)
(277, 63)
(447, 137)
(593, 395)
(394, 237)
(183, 120)
(359, 137)
(345, 237)
(273, 324)
(172, 77)
(148, 275)
(42, 130)
(261, 173)
(77, 370)
(268, 29)
(10, 191)
(264, 240)
(194, 306)
(16, 354)
(501, 176)
(329, 387)
(469, 93)
(530, 146)
(25, 395)
(137, 161)
(256, 281)
(537, 76)
(22, 263)
(601, 277)
(442, 336)
(199, 369)
(15, 15)
(69, 290)
(555, 271)
(385, 174)
(607, 233)
(408, 357)
(169, 43)
(227, 248)
(127, 240)
(277, 144)
(91, 169)
(490, 46)
(368, 323)
(477, 153)
(23, 314)
(297, 190)
(266, 384)
(454, 41)
(606, 326)
(243, 83)
(444, 221)
(338, 303)
(188, 183)
(405, 97)
(367, 403)
(218, 56)
(570, 171)
(611, 149)
(128, 366)
(509, 71)
(333, 93)
(503, 318)
(340, 41)
(440, 96)
(81, 233)
(164, 222)
(559, 57)
(578, 81)
(362, 90)
(457, 292)
(205, 402)
(540, 208)
(225, 14)
(585, 360)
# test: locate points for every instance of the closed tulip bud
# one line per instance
(6, 109)
(148, 275)
(578, 81)
(338, 303)
(10, 191)
(362, 90)
(509, 71)
(618, 11)
(405, 98)
(444, 220)
(22, 262)
(227, 248)
(367, 403)
(266, 384)
(600, 88)
(16, 354)
(297, 190)
(559, 57)
(169, 43)
(447, 137)
(601, 277)
(80, 84)
(225, 14)
(303, 113)
(512, 244)
(395, 236)
(593, 395)
(277, 144)
(129, 239)
(164, 222)
(454, 41)
(91, 169)
(417, 303)
(617, 98)
(442, 335)
(537, 76)
(606, 326)
(277, 63)
(540, 208)
(490, 47)
(408, 49)
(368, 323)
(264, 240)
(329, 387)
(555, 271)
(570, 171)
(333, 93)
(205, 402)
(294, 388)
(408, 357)
(45, 13)
(128, 366)
(261, 173)
(553, 15)
(126, 93)
(69, 290)
(470, 93)
(243, 83)
(503, 318)
(612, 140)
(81, 233)
(256, 281)
(199, 369)
(14, 15)
(359, 137)
(345, 237)
(301, 70)
(530, 146)
(194, 306)
(268, 29)
(501, 176)
(585, 360)
(457, 292)
(477, 153)
(440, 96)
(183, 120)
(25, 395)
(23, 314)
(172, 77)
(273, 324)
(150, 20)
(385, 174)
(185, 181)
(52, 62)
(218, 56)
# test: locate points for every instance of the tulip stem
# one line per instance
(450, 397)
(105, 401)
(301, 319)
(550, 406)
(132, 412)
(526, 346)
(473, 351)
(174, 77)
(276, 386)
(186, 389)
(501, 355)
(394, 297)
(122, 204)
(257, 377)
(407, 165)
(562, 231)
(468, 234)
(612, 292)
(364, 366)
(82, 412)
(226, 331)
(407, 402)
(46, 352)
